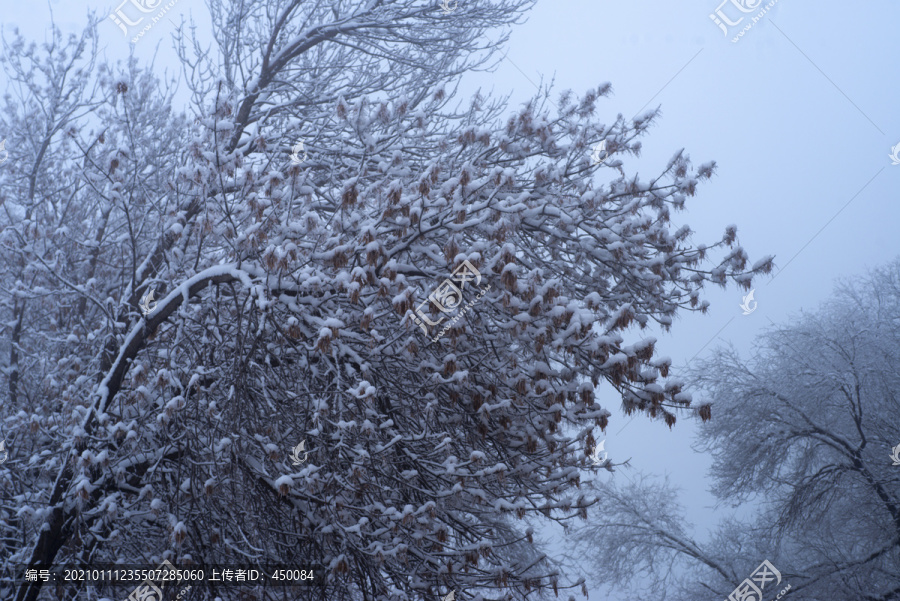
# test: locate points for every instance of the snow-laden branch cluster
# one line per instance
(286, 295)
(802, 440)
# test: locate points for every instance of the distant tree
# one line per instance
(287, 294)
(802, 434)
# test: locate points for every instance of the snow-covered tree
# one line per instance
(802, 433)
(289, 283)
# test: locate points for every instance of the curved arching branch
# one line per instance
(54, 536)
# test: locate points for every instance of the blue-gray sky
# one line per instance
(800, 116)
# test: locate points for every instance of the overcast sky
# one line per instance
(800, 115)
